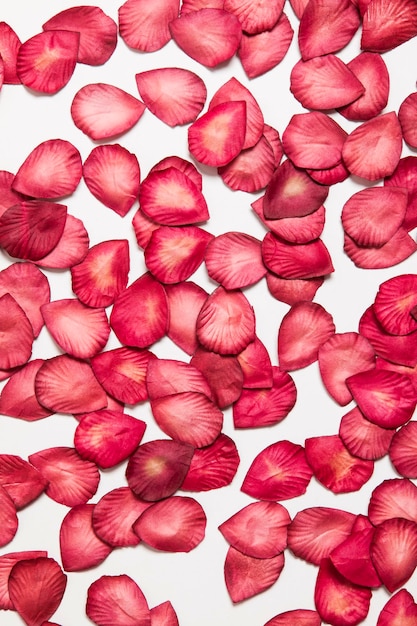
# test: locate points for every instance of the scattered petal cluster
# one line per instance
(343, 132)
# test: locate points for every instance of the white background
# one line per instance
(193, 582)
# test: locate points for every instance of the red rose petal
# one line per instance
(370, 69)
(29, 287)
(140, 313)
(341, 356)
(395, 497)
(6, 564)
(22, 481)
(363, 438)
(226, 322)
(337, 600)
(164, 615)
(98, 32)
(173, 254)
(8, 518)
(405, 176)
(66, 385)
(184, 302)
(258, 530)
(401, 349)
(108, 437)
(170, 197)
(103, 273)
(218, 135)
(9, 48)
(36, 588)
(146, 27)
(387, 25)
(18, 398)
(157, 468)
(102, 111)
(261, 52)
(394, 302)
(252, 169)
(246, 576)
(112, 174)
(373, 149)
(399, 609)
(334, 466)
(71, 248)
(78, 329)
(394, 551)
(293, 290)
(71, 479)
(305, 328)
(174, 95)
(324, 82)
(122, 373)
(396, 250)
(387, 399)
(167, 377)
(352, 559)
(301, 617)
(313, 140)
(80, 546)
(117, 601)
(402, 450)
(176, 524)
(278, 472)
(292, 193)
(308, 260)
(256, 366)
(30, 230)
(315, 532)
(186, 167)
(46, 62)
(232, 91)
(255, 18)
(16, 334)
(209, 36)
(265, 407)
(373, 215)
(234, 260)
(114, 516)
(213, 466)
(326, 27)
(223, 374)
(188, 417)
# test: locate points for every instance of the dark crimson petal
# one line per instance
(36, 588)
(157, 468)
(31, 229)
